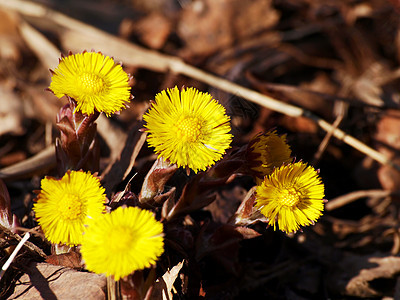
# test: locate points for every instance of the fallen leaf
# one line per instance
(226, 203)
(46, 281)
(364, 276)
(210, 25)
(163, 286)
(6, 218)
(388, 142)
(71, 259)
(11, 112)
(152, 30)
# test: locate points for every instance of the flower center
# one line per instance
(188, 129)
(120, 239)
(91, 83)
(70, 207)
(289, 197)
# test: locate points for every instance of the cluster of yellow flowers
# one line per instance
(288, 193)
(71, 211)
(187, 128)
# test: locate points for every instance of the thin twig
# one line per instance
(89, 36)
(353, 196)
(14, 253)
(32, 247)
(324, 144)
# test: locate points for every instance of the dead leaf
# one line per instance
(163, 286)
(364, 275)
(46, 281)
(210, 25)
(155, 180)
(247, 233)
(226, 203)
(10, 40)
(118, 171)
(6, 218)
(153, 30)
(71, 259)
(37, 164)
(388, 142)
(246, 214)
(11, 112)
(196, 194)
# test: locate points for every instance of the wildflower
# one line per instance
(64, 206)
(125, 240)
(292, 196)
(188, 128)
(266, 152)
(93, 80)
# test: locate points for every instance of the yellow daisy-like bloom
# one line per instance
(64, 206)
(94, 81)
(266, 152)
(292, 196)
(125, 240)
(188, 128)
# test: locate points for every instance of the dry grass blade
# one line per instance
(44, 160)
(353, 196)
(40, 45)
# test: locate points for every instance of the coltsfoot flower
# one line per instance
(188, 128)
(123, 241)
(291, 196)
(64, 206)
(265, 152)
(93, 80)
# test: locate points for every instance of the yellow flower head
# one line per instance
(292, 196)
(93, 80)
(64, 206)
(266, 152)
(188, 128)
(125, 240)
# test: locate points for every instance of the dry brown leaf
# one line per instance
(208, 26)
(163, 286)
(10, 40)
(195, 195)
(6, 218)
(247, 233)
(364, 276)
(11, 112)
(168, 203)
(246, 214)
(37, 164)
(71, 259)
(121, 168)
(226, 203)
(388, 142)
(46, 281)
(153, 30)
(156, 178)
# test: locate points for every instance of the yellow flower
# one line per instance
(266, 152)
(125, 240)
(292, 196)
(64, 206)
(188, 128)
(93, 80)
